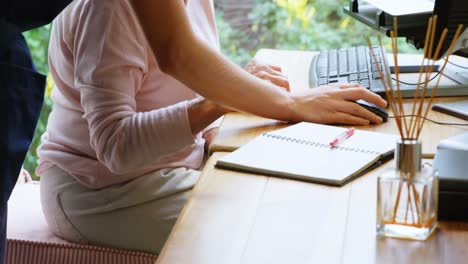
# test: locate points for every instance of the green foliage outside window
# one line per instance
(280, 24)
(297, 25)
(38, 41)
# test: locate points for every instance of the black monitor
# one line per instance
(450, 13)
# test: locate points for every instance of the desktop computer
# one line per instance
(357, 65)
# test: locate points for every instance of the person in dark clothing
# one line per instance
(22, 90)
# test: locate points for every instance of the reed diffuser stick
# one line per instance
(394, 36)
(427, 76)
(429, 71)
(388, 89)
(416, 198)
(416, 95)
(449, 52)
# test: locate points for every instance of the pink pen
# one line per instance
(342, 137)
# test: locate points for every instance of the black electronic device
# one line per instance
(451, 163)
(379, 111)
(458, 109)
(450, 14)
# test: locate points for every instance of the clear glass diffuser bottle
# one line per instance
(407, 195)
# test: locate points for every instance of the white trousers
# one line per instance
(137, 215)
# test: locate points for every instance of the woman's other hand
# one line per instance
(335, 104)
(209, 137)
(268, 72)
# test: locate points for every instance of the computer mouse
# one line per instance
(379, 111)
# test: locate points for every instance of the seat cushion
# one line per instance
(29, 239)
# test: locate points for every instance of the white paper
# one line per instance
(403, 7)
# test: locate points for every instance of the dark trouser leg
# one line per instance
(22, 93)
(3, 222)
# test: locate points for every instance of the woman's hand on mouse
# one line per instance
(335, 104)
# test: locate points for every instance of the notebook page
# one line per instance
(362, 140)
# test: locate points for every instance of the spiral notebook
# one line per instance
(302, 151)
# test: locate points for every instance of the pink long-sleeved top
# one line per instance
(116, 115)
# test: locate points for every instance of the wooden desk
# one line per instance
(235, 217)
(238, 128)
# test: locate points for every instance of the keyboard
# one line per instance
(349, 65)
